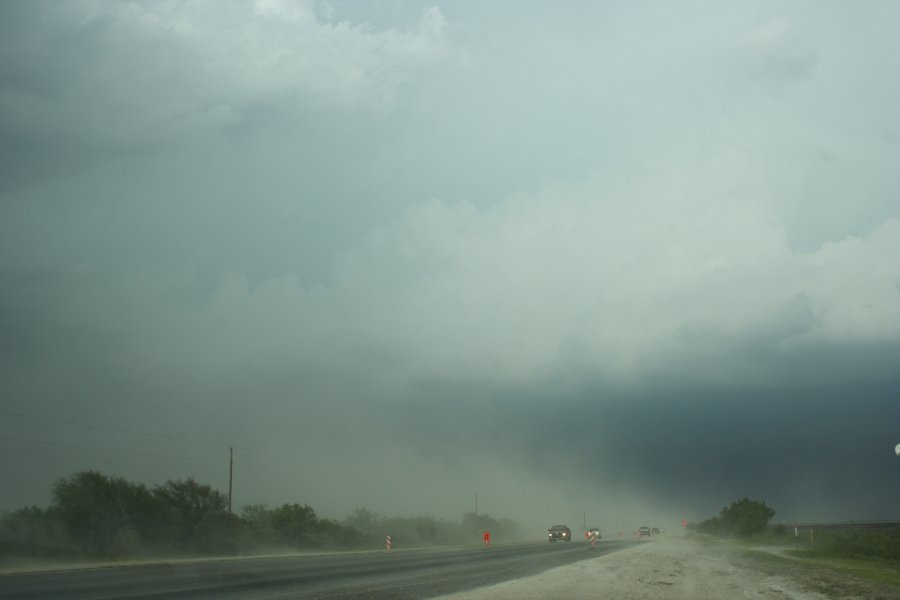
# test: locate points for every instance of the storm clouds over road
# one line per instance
(625, 259)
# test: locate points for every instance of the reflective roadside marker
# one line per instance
(388, 543)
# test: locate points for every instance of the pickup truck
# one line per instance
(559, 532)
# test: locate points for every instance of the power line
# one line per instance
(332, 473)
(283, 477)
(340, 473)
(285, 461)
(113, 450)
(169, 437)
(116, 429)
(291, 478)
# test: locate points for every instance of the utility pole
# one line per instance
(230, 475)
(476, 504)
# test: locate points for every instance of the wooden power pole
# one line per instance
(230, 475)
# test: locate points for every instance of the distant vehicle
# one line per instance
(594, 531)
(644, 532)
(655, 531)
(559, 532)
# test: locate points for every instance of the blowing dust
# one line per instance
(673, 568)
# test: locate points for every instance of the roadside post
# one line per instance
(486, 536)
(388, 543)
(593, 539)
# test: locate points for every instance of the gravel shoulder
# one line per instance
(685, 569)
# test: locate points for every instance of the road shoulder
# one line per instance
(664, 567)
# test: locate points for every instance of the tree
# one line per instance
(190, 502)
(108, 515)
(220, 532)
(745, 517)
(258, 518)
(32, 531)
(295, 524)
(364, 520)
(475, 523)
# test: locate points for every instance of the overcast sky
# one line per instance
(633, 259)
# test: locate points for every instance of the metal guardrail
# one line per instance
(885, 524)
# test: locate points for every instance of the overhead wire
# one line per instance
(327, 472)
(113, 450)
(282, 477)
(292, 478)
(115, 429)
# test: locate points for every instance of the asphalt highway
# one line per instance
(401, 574)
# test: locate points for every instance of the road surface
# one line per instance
(402, 574)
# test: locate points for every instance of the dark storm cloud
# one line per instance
(694, 448)
(553, 257)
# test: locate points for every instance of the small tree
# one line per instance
(190, 502)
(364, 520)
(712, 526)
(221, 533)
(295, 524)
(258, 518)
(474, 523)
(33, 531)
(745, 517)
(108, 515)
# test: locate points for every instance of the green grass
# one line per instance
(861, 544)
(871, 569)
(870, 555)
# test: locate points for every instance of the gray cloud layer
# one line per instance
(570, 258)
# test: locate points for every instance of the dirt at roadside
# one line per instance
(683, 569)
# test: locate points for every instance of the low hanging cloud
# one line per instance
(509, 291)
(138, 74)
(566, 276)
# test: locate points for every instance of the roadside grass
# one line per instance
(876, 570)
(859, 544)
(871, 555)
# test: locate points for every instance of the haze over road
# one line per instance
(416, 573)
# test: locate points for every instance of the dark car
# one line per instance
(595, 532)
(559, 532)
